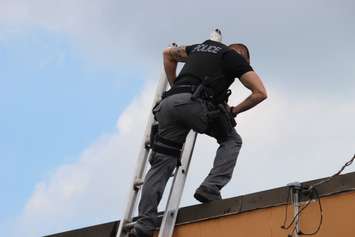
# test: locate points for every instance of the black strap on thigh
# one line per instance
(170, 148)
(168, 142)
(166, 150)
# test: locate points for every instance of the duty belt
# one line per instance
(179, 89)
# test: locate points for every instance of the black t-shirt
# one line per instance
(189, 48)
(233, 66)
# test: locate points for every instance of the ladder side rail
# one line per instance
(177, 187)
(142, 159)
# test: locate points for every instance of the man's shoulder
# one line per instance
(231, 54)
(233, 57)
(234, 64)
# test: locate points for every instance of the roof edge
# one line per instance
(263, 199)
(230, 206)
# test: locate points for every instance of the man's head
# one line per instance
(242, 49)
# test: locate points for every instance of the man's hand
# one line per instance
(171, 57)
(252, 81)
(230, 110)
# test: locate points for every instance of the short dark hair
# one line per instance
(243, 49)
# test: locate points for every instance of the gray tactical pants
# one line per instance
(177, 115)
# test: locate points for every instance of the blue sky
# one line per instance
(52, 106)
(76, 85)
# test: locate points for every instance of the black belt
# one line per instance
(179, 89)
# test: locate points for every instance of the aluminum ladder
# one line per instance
(180, 174)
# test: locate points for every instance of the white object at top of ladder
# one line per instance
(216, 35)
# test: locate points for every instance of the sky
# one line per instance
(77, 80)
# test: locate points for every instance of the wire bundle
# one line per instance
(312, 193)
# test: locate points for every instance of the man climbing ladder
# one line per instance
(197, 100)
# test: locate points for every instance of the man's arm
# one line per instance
(252, 81)
(171, 57)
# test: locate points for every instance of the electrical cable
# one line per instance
(297, 215)
(310, 191)
(286, 209)
(321, 215)
(334, 175)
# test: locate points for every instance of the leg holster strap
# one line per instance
(168, 142)
(168, 147)
(166, 150)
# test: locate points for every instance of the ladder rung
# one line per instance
(129, 225)
(175, 172)
(138, 183)
(147, 144)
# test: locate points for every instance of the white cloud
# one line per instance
(117, 32)
(92, 189)
(285, 139)
(100, 30)
(294, 135)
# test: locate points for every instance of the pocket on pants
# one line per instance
(192, 114)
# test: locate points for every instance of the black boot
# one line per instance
(204, 195)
